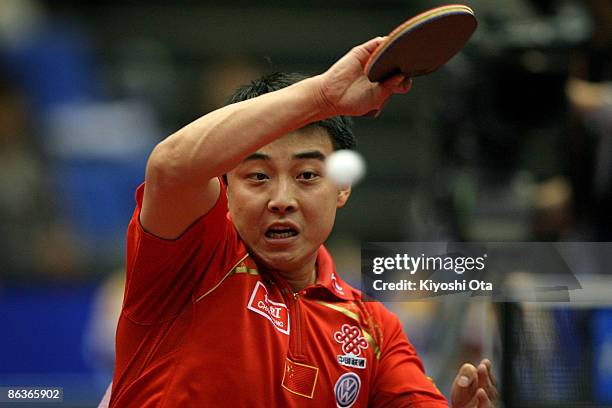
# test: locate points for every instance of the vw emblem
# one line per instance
(347, 389)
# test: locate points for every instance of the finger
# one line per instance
(371, 45)
(405, 86)
(484, 381)
(483, 399)
(382, 92)
(472, 403)
(467, 377)
(393, 82)
(464, 386)
(392, 85)
(398, 84)
(489, 366)
(483, 377)
(364, 51)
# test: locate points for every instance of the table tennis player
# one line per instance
(231, 297)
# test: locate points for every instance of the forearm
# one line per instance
(181, 170)
(215, 143)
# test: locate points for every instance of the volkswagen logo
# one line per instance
(347, 389)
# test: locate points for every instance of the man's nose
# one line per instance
(283, 198)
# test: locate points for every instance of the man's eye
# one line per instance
(257, 176)
(308, 175)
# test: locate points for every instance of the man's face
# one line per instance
(280, 201)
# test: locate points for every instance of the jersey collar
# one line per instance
(329, 279)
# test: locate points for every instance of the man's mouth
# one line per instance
(280, 233)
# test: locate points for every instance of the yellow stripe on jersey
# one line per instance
(222, 279)
(245, 269)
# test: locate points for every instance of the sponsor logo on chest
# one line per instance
(346, 390)
(276, 312)
(353, 342)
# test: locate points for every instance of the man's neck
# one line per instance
(298, 280)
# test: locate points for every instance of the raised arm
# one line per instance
(181, 182)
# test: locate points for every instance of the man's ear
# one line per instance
(343, 196)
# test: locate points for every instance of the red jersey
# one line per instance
(202, 326)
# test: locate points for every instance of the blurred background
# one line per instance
(510, 141)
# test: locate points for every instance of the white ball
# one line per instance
(345, 167)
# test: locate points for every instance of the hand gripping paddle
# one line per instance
(422, 44)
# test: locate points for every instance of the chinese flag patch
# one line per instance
(300, 378)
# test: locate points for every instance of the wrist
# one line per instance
(324, 107)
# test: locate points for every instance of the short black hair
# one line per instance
(339, 128)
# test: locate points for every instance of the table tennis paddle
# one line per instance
(423, 43)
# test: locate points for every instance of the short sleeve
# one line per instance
(400, 380)
(161, 274)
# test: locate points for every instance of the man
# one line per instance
(231, 299)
